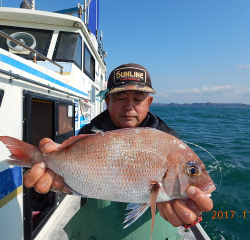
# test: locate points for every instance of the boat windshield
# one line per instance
(69, 48)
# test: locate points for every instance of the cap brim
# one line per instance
(129, 87)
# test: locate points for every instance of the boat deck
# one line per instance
(53, 230)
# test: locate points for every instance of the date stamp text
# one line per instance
(229, 214)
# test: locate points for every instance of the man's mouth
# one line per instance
(126, 116)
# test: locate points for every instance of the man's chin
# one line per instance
(128, 124)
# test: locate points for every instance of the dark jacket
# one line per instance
(103, 220)
(103, 123)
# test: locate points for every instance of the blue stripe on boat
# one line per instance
(37, 73)
(10, 180)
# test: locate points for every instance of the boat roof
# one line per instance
(46, 20)
(36, 16)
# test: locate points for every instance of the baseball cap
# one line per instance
(129, 76)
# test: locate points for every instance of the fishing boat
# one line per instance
(52, 66)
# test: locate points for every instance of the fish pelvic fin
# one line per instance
(137, 210)
(23, 154)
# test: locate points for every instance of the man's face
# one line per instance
(128, 108)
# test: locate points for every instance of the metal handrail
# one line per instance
(31, 50)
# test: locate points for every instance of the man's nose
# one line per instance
(129, 105)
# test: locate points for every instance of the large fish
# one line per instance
(140, 166)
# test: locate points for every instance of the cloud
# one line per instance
(244, 66)
(204, 90)
(221, 94)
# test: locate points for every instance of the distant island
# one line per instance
(208, 104)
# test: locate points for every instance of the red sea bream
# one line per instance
(140, 166)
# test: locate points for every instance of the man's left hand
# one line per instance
(182, 211)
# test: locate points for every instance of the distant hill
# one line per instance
(208, 104)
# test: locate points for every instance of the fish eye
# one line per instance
(193, 169)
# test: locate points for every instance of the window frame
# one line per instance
(91, 57)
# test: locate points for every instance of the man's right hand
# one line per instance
(41, 178)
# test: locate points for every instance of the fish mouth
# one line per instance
(211, 189)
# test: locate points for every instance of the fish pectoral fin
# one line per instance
(137, 210)
(75, 192)
(155, 187)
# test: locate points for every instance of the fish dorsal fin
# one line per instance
(137, 210)
(71, 140)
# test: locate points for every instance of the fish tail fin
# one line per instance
(23, 154)
(155, 187)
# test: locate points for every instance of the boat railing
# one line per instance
(35, 53)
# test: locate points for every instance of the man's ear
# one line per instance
(107, 102)
(150, 100)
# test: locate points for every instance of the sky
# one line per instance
(194, 50)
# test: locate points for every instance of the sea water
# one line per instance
(225, 133)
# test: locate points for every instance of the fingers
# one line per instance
(46, 145)
(168, 213)
(58, 185)
(203, 202)
(186, 210)
(32, 175)
(42, 179)
(44, 183)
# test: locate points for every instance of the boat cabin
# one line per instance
(51, 69)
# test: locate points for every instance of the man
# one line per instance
(128, 102)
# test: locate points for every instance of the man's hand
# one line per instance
(187, 210)
(42, 179)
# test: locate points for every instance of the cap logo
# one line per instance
(130, 74)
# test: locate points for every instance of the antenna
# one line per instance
(103, 54)
(33, 4)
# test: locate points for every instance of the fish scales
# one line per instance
(111, 168)
(121, 165)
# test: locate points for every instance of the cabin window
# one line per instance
(69, 48)
(36, 39)
(89, 63)
(65, 118)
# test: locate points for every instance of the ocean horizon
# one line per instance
(207, 104)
